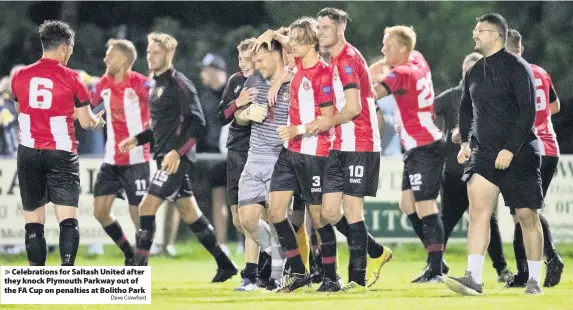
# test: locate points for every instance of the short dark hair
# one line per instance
(513, 40)
(54, 33)
(498, 21)
(276, 46)
(337, 15)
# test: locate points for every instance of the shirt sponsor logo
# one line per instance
(326, 89)
(348, 69)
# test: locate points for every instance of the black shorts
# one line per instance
(171, 186)
(548, 167)
(352, 173)
(520, 184)
(301, 174)
(235, 164)
(423, 170)
(125, 181)
(218, 175)
(46, 176)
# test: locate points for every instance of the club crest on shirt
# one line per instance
(286, 96)
(159, 91)
(130, 93)
(237, 89)
(306, 85)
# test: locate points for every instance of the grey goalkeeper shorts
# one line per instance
(255, 181)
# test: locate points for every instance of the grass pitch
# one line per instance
(183, 283)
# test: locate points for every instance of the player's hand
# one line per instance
(274, 91)
(288, 133)
(456, 137)
(170, 162)
(464, 154)
(503, 160)
(267, 37)
(100, 121)
(255, 112)
(127, 144)
(247, 95)
(321, 124)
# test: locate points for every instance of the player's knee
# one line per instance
(528, 218)
(331, 215)
(479, 214)
(101, 214)
(249, 223)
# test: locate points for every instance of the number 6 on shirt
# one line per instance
(40, 96)
(540, 102)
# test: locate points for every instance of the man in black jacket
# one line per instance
(498, 104)
(454, 190)
(177, 122)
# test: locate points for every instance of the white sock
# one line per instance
(475, 266)
(534, 270)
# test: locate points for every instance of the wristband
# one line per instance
(301, 129)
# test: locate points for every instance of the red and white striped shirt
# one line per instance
(349, 70)
(47, 93)
(127, 114)
(544, 96)
(410, 86)
(310, 90)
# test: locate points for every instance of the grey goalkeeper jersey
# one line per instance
(265, 142)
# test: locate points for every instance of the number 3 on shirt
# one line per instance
(40, 96)
(426, 96)
(540, 99)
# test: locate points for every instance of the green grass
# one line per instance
(183, 283)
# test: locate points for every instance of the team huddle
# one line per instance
(304, 137)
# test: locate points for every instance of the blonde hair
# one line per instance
(309, 28)
(166, 41)
(126, 47)
(247, 44)
(405, 35)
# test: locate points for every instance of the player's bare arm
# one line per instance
(555, 106)
(88, 120)
(351, 110)
(276, 86)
